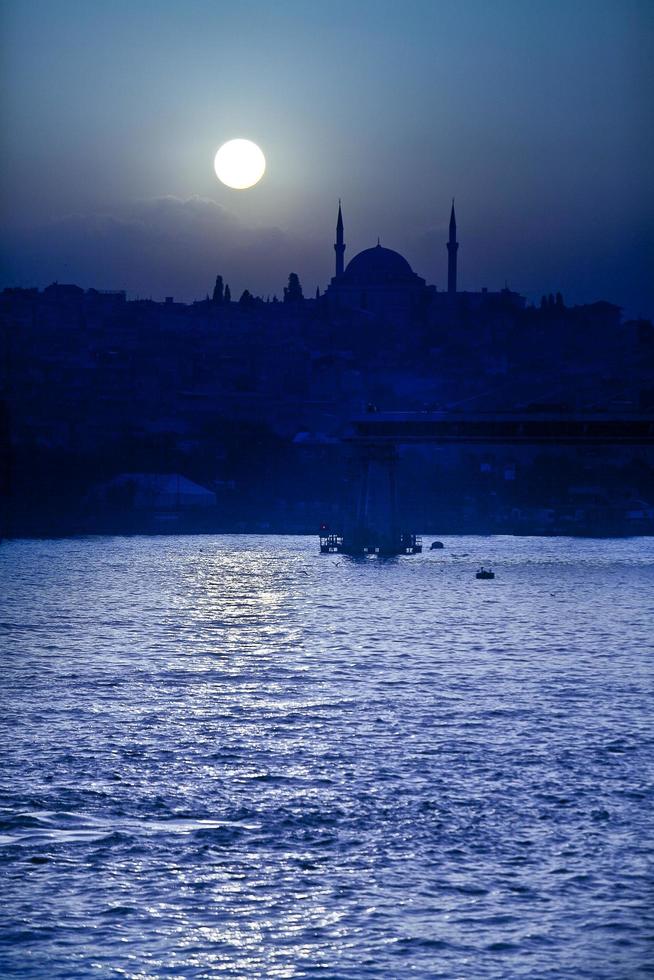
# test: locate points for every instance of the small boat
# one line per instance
(485, 573)
(435, 545)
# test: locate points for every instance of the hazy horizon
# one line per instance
(536, 118)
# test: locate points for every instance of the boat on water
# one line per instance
(361, 542)
(485, 573)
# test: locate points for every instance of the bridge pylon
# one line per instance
(372, 526)
(375, 519)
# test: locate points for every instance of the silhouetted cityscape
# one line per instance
(227, 413)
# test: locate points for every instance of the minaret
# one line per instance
(452, 249)
(339, 247)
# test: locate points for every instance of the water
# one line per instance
(232, 757)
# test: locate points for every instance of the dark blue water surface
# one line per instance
(233, 757)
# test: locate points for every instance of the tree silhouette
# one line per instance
(293, 292)
(218, 291)
(228, 294)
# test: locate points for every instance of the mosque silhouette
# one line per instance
(381, 281)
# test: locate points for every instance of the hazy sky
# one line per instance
(536, 114)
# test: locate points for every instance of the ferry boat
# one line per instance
(364, 544)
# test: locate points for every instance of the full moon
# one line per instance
(239, 164)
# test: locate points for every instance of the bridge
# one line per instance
(376, 436)
(400, 428)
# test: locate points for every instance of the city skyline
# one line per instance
(534, 119)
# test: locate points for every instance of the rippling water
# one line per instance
(233, 757)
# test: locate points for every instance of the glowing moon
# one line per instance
(239, 164)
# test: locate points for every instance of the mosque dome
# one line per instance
(378, 264)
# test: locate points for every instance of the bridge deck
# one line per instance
(424, 427)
